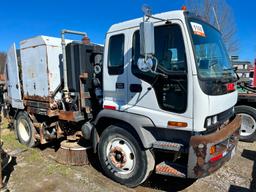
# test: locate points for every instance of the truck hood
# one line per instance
(218, 104)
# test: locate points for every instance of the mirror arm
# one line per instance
(160, 19)
(157, 73)
(156, 62)
(156, 65)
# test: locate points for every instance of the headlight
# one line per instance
(211, 121)
(214, 119)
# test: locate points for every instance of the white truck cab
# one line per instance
(188, 100)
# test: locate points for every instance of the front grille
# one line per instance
(224, 116)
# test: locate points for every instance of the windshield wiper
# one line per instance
(228, 69)
(221, 80)
(226, 80)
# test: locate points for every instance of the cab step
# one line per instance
(170, 169)
(165, 145)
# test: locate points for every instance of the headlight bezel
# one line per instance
(218, 119)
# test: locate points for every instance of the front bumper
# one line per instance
(225, 140)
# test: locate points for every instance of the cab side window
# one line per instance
(116, 55)
(170, 49)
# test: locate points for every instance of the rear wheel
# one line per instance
(122, 157)
(248, 126)
(25, 130)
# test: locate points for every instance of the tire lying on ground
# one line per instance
(25, 130)
(122, 157)
(248, 126)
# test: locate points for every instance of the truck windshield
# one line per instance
(211, 56)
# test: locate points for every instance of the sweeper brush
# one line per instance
(72, 153)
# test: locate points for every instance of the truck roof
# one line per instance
(179, 14)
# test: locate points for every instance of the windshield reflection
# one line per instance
(211, 56)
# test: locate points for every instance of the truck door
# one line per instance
(157, 97)
(115, 72)
(13, 80)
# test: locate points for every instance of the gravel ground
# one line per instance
(36, 170)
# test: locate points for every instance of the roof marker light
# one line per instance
(184, 8)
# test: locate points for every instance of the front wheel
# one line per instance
(248, 125)
(122, 157)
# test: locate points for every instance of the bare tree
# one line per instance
(2, 62)
(225, 19)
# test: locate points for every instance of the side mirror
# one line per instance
(145, 65)
(147, 39)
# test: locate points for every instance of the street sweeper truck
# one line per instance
(158, 97)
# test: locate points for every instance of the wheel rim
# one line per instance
(120, 156)
(248, 125)
(23, 127)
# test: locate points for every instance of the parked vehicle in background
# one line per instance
(158, 97)
(246, 105)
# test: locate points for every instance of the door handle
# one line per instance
(135, 88)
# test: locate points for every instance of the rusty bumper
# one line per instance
(202, 162)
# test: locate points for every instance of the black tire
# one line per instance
(25, 130)
(248, 126)
(143, 160)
